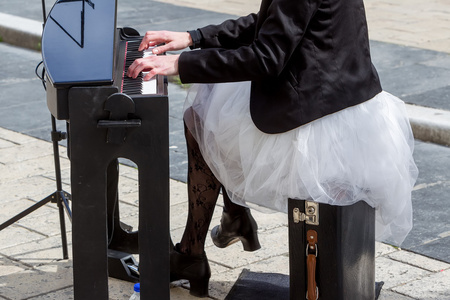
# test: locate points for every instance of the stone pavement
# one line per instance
(30, 250)
(410, 46)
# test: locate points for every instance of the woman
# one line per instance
(289, 106)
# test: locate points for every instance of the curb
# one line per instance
(428, 124)
(20, 31)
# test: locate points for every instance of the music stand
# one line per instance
(60, 197)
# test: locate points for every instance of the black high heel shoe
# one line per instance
(241, 227)
(194, 268)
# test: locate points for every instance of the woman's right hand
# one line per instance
(171, 41)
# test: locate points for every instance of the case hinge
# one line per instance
(310, 216)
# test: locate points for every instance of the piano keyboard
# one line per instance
(136, 85)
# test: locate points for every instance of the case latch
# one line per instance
(310, 216)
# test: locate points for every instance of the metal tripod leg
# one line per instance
(59, 197)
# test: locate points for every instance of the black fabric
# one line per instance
(260, 286)
(267, 286)
(306, 59)
(196, 37)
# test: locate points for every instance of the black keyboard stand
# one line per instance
(60, 197)
(105, 126)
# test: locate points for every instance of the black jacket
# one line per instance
(305, 58)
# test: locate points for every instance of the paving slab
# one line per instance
(9, 238)
(31, 266)
(395, 273)
(8, 266)
(34, 282)
(388, 295)
(275, 243)
(44, 251)
(429, 235)
(419, 261)
(435, 286)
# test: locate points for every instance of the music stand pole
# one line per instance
(44, 13)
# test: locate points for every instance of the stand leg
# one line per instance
(60, 197)
(27, 211)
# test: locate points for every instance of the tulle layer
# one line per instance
(360, 153)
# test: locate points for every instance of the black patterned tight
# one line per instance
(203, 191)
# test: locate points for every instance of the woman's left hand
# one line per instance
(154, 65)
(164, 41)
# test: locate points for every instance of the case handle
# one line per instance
(311, 254)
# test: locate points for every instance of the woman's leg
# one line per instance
(231, 207)
(188, 259)
(203, 191)
(237, 223)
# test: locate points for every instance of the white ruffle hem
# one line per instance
(361, 153)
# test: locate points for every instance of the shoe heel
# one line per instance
(199, 288)
(251, 242)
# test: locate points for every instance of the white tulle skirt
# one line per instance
(360, 153)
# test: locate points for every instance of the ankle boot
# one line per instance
(194, 268)
(233, 228)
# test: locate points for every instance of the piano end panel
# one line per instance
(147, 146)
(57, 102)
(89, 162)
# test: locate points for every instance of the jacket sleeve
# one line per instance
(281, 28)
(231, 34)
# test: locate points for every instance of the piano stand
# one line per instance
(122, 266)
(92, 149)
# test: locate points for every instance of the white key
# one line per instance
(149, 86)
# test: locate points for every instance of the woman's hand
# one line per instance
(163, 65)
(172, 41)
